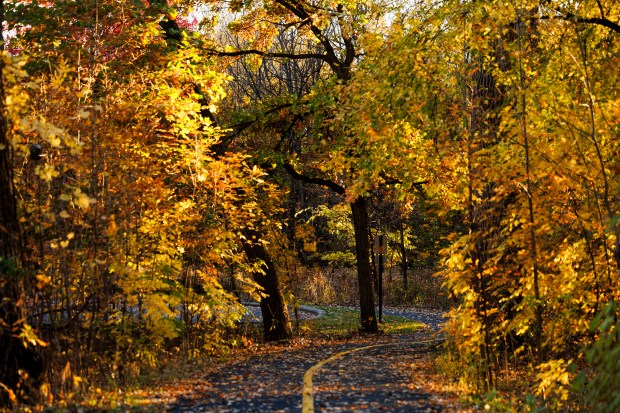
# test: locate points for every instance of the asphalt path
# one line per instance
(365, 380)
(375, 378)
(433, 319)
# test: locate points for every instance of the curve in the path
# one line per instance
(433, 319)
(273, 382)
(366, 380)
(253, 312)
(367, 386)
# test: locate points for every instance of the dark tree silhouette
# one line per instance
(19, 364)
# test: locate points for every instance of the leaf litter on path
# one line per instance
(396, 377)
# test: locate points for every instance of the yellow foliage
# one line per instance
(554, 380)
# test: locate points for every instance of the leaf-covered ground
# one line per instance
(397, 376)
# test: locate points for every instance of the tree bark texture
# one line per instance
(359, 210)
(276, 323)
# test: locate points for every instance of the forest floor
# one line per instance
(358, 373)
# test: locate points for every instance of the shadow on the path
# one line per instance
(367, 381)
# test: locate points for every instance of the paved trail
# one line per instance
(369, 380)
(373, 379)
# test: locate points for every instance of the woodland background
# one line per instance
(162, 162)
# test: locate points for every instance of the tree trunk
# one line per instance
(14, 355)
(359, 211)
(403, 265)
(276, 323)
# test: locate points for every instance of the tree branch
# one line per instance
(311, 180)
(394, 181)
(330, 56)
(594, 20)
(291, 56)
(601, 21)
(389, 180)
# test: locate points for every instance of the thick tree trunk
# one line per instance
(14, 355)
(276, 323)
(359, 211)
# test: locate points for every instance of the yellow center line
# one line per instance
(307, 401)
